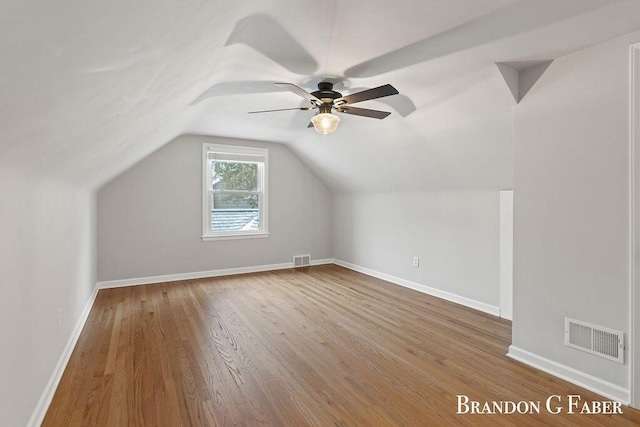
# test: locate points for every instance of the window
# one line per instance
(234, 198)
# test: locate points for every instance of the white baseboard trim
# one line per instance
(481, 306)
(567, 373)
(323, 261)
(40, 410)
(202, 274)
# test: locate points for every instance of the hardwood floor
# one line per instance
(321, 346)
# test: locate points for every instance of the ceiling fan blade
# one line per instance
(365, 95)
(364, 112)
(400, 103)
(310, 125)
(281, 109)
(299, 91)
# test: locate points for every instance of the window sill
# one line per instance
(234, 236)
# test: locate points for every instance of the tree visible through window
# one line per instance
(235, 179)
(236, 176)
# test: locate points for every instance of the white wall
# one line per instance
(149, 218)
(571, 206)
(634, 300)
(455, 235)
(47, 263)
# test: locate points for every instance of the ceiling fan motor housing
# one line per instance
(327, 95)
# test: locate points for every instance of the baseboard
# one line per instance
(323, 261)
(481, 306)
(202, 274)
(40, 410)
(579, 378)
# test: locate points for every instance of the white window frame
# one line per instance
(263, 174)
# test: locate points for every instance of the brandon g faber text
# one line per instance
(554, 404)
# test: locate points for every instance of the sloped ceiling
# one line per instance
(88, 88)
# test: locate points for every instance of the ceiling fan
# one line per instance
(326, 100)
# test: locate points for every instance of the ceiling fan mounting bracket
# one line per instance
(328, 86)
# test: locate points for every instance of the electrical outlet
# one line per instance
(416, 262)
(59, 318)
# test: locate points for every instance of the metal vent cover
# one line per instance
(301, 260)
(603, 342)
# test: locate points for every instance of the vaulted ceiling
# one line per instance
(88, 88)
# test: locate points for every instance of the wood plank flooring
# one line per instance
(322, 346)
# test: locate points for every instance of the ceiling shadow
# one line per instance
(248, 87)
(401, 103)
(517, 18)
(264, 34)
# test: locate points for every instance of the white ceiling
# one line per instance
(88, 88)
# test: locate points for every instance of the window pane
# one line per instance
(234, 176)
(235, 201)
(235, 212)
(235, 220)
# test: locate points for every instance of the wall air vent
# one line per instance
(301, 260)
(603, 342)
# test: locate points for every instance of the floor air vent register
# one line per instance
(603, 342)
(301, 260)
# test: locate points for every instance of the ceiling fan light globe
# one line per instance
(325, 122)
